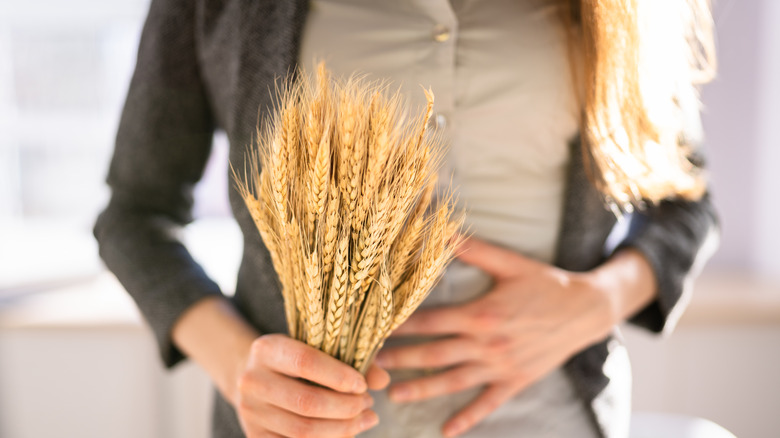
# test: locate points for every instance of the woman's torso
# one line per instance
(241, 48)
(505, 104)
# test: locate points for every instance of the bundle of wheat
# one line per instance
(341, 187)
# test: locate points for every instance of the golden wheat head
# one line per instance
(342, 186)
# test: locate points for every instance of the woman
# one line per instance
(527, 348)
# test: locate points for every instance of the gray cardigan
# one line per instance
(209, 64)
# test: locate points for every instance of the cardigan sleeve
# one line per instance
(676, 236)
(162, 144)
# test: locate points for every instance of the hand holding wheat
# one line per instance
(341, 189)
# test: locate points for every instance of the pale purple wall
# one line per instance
(767, 181)
(731, 125)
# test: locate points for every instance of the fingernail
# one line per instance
(400, 393)
(368, 401)
(369, 420)
(453, 429)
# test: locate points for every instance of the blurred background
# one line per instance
(77, 361)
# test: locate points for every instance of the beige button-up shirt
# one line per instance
(504, 97)
(505, 102)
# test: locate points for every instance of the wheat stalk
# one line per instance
(342, 187)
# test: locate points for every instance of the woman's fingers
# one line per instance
(289, 389)
(254, 429)
(447, 382)
(296, 359)
(301, 398)
(432, 354)
(289, 424)
(499, 262)
(486, 403)
(440, 321)
(377, 378)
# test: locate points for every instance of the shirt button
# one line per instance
(441, 121)
(438, 121)
(441, 33)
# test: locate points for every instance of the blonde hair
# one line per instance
(641, 63)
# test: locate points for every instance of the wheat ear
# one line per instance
(366, 330)
(436, 253)
(330, 231)
(338, 295)
(408, 243)
(385, 310)
(314, 312)
(318, 183)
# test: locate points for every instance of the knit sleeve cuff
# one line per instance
(676, 238)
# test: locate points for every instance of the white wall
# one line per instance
(96, 382)
(724, 373)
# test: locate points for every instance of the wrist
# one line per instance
(626, 283)
(213, 334)
(234, 365)
(603, 286)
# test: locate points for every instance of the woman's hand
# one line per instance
(272, 400)
(262, 376)
(534, 318)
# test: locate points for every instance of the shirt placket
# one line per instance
(442, 35)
